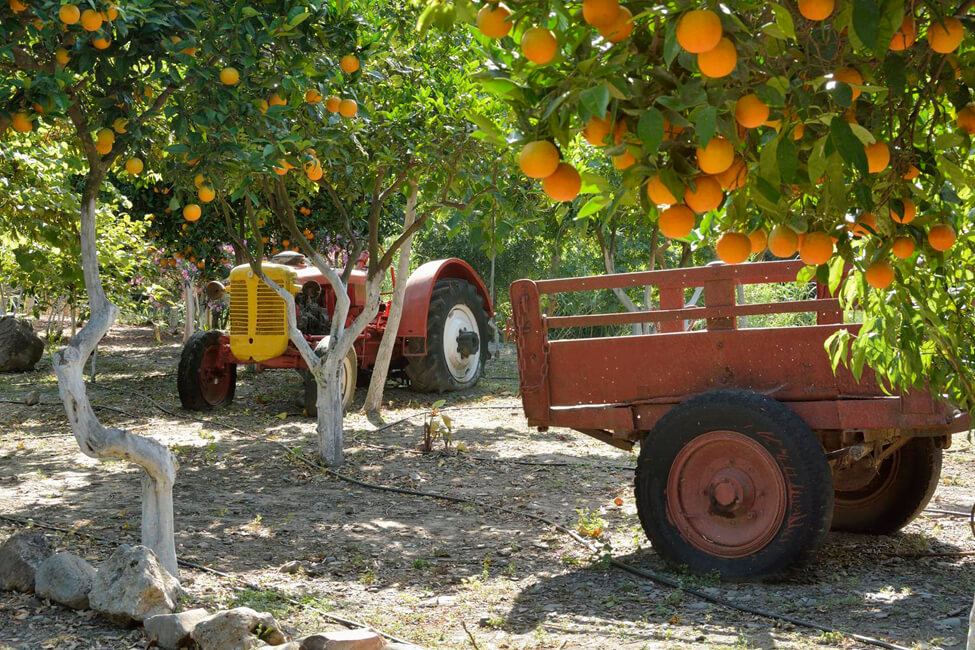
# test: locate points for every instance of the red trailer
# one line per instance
(751, 448)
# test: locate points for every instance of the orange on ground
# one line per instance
(493, 21)
(21, 123)
(945, 36)
(905, 35)
(816, 248)
(734, 247)
(911, 173)
(902, 247)
(783, 241)
(206, 193)
(348, 107)
(879, 275)
(192, 212)
(229, 76)
(91, 20)
(719, 61)
(852, 77)
(759, 240)
(676, 221)
(705, 196)
(624, 161)
(699, 30)
(563, 184)
(941, 237)
(313, 96)
(539, 45)
(864, 226)
(717, 156)
(332, 104)
(69, 14)
(620, 29)
(735, 176)
(101, 43)
(659, 193)
(816, 9)
(910, 211)
(878, 156)
(134, 166)
(349, 64)
(750, 111)
(600, 13)
(539, 159)
(966, 119)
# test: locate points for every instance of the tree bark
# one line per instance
(94, 439)
(608, 251)
(380, 371)
(189, 300)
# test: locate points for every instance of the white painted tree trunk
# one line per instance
(380, 370)
(189, 300)
(96, 440)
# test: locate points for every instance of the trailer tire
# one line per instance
(202, 383)
(349, 379)
(454, 304)
(894, 496)
(734, 483)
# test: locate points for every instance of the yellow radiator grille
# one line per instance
(270, 311)
(238, 307)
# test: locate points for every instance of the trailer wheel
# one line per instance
(733, 482)
(202, 381)
(882, 502)
(457, 340)
(348, 376)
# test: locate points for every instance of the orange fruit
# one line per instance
(659, 193)
(879, 275)
(816, 248)
(852, 77)
(902, 247)
(313, 96)
(349, 64)
(945, 36)
(105, 135)
(134, 166)
(911, 173)
(905, 35)
(600, 13)
(624, 161)
(332, 104)
(719, 61)
(263, 105)
(91, 20)
(620, 29)
(104, 147)
(69, 14)
(750, 111)
(676, 221)
(276, 100)
(314, 171)
(61, 56)
(717, 156)
(816, 9)
(705, 196)
(941, 237)
(229, 76)
(734, 247)
(966, 119)
(111, 13)
(17, 6)
(206, 193)
(101, 43)
(596, 130)
(864, 226)
(618, 501)
(699, 30)
(199, 180)
(563, 184)
(539, 159)
(735, 176)
(493, 21)
(539, 45)
(192, 212)
(910, 211)
(671, 131)
(120, 125)
(21, 123)
(783, 241)
(878, 156)
(759, 240)
(348, 107)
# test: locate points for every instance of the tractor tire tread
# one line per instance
(188, 372)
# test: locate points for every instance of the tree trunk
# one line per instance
(610, 266)
(380, 371)
(330, 416)
(190, 302)
(94, 439)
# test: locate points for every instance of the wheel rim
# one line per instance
(726, 494)
(460, 320)
(861, 485)
(347, 378)
(214, 377)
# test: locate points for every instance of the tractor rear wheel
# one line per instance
(202, 380)
(882, 501)
(457, 340)
(347, 375)
(733, 482)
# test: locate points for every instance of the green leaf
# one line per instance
(787, 157)
(816, 165)
(783, 20)
(705, 124)
(836, 267)
(866, 22)
(848, 145)
(594, 102)
(650, 129)
(593, 205)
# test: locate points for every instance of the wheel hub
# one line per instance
(461, 343)
(467, 343)
(214, 376)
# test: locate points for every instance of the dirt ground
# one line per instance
(437, 574)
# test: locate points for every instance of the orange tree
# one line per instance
(838, 130)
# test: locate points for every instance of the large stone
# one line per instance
(240, 628)
(131, 585)
(173, 631)
(66, 579)
(20, 348)
(20, 556)
(361, 639)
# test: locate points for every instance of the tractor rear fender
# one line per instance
(416, 301)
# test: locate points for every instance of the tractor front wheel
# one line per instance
(347, 375)
(457, 340)
(203, 380)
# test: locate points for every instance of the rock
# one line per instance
(401, 646)
(66, 579)
(33, 398)
(172, 631)
(240, 628)
(20, 347)
(361, 639)
(20, 556)
(131, 585)
(292, 645)
(294, 566)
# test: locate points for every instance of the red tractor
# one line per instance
(441, 345)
